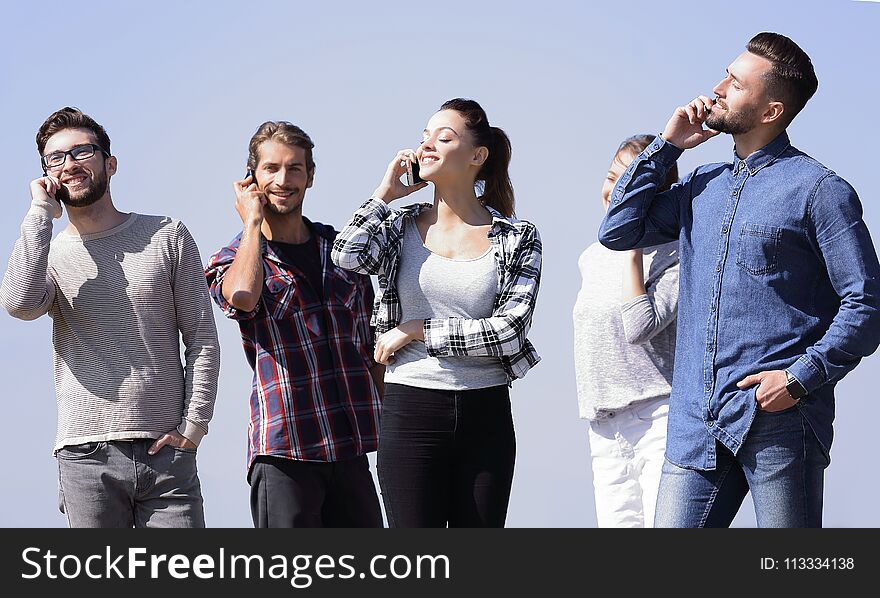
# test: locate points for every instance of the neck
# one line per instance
(285, 228)
(459, 203)
(748, 143)
(96, 218)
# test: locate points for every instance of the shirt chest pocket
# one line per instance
(280, 296)
(757, 251)
(343, 287)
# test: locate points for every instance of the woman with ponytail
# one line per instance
(458, 280)
(624, 352)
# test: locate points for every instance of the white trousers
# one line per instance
(627, 448)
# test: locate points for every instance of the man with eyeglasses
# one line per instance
(120, 288)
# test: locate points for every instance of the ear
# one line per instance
(110, 165)
(773, 112)
(311, 178)
(480, 156)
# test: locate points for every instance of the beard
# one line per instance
(284, 210)
(732, 122)
(95, 190)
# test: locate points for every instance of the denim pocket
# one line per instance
(80, 451)
(758, 249)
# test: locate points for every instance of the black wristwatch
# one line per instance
(794, 388)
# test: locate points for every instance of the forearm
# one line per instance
(847, 253)
(26, 293)
(485, 337)
(195, 321)
(639, 216)
(360, 245)
(243, 281)
(202, 369)
(854, 334)
(647, 313)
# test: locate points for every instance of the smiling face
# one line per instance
(282, 174)
(83, 182)
(447, 150)
(742, 98)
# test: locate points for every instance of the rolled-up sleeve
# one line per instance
(216, 269)
(362, 243)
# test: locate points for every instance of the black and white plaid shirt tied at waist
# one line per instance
(371, 244)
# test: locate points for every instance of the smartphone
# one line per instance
(250, 173)
(61, 193)
(412, 173)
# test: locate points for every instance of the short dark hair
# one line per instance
(283, 132)
(71, 118)
(791, 78)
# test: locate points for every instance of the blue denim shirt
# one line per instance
(778, 271)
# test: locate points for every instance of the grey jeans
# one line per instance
(118, 484)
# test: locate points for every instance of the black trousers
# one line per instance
(288, 493)
(446, 457)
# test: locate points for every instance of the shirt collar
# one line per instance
(499, 220)
(764, 156)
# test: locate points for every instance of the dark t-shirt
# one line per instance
(306, 257)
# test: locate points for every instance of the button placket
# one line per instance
(712, 328)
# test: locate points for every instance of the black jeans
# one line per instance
(446, 457)
(287, 493)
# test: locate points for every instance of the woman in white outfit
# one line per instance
(624, 325)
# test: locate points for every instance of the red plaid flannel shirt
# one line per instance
(313, 397)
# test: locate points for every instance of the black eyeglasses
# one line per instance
(56, 160)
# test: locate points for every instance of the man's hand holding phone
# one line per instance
(45, 189)
(685, 129)
(249, 200)
(392, 187)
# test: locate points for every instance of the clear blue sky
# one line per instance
(181, 86)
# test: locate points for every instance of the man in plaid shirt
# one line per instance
(314, 406)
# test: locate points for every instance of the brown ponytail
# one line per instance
(493, 180)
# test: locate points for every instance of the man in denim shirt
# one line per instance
(779, 296)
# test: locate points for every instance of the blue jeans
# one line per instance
(781, 462)
(118, 484)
